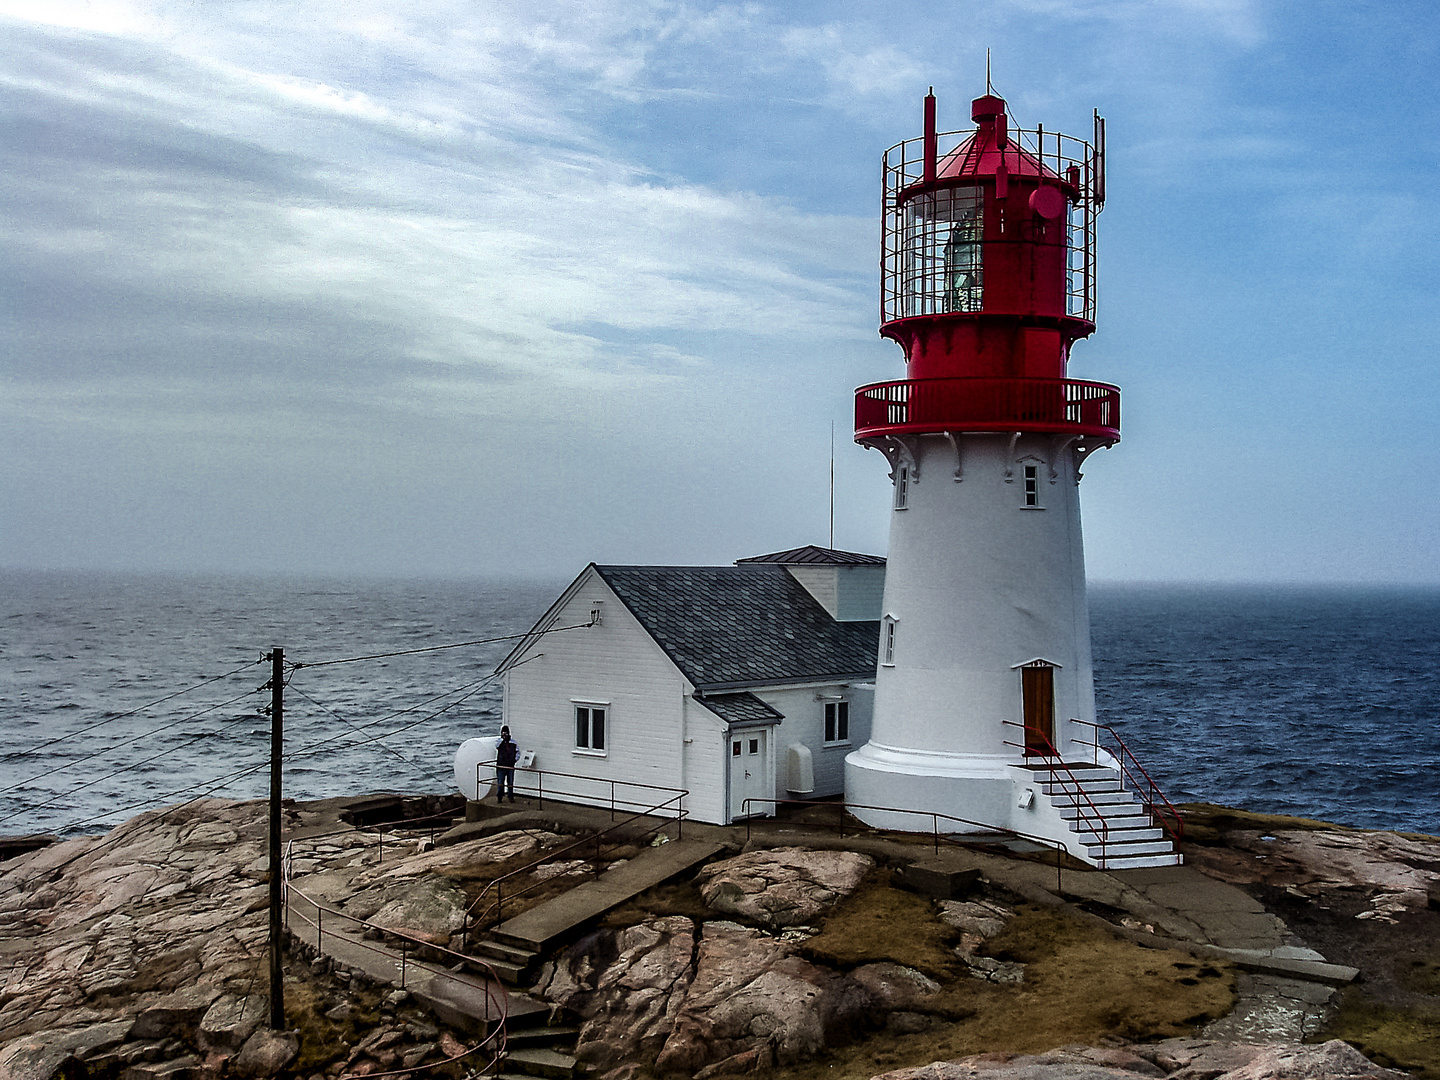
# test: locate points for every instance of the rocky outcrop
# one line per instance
(1176, 1060)
(627, 987)
(784, 886)
(689, 999)
(752, 993)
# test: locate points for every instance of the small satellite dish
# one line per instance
(475, 768)
(1048, 202)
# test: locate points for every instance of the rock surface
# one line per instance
(784, 886)
(656, 992)
(1176, 1060)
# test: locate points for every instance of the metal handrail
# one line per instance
(934, 815)
(497, 906)
(626, 804)
(499, 1035)
(1052, 759)
(1152, 789)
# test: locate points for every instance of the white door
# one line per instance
(750, 773)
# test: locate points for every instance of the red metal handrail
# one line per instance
(1174, 825)
(919, 406)
(1052, 758)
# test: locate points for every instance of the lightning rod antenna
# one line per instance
(832, 485)
(989, 89)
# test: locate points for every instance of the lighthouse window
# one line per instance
(1032, 485)
(837, 721)
(887, 641)
(902, 487)
(590, 728)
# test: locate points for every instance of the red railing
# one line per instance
(1037, 745)
(1169, 819)
(918, 406)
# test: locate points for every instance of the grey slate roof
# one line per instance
(741, 708)
(750, 625)
(812, 554)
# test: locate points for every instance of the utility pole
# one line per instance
(277, 892)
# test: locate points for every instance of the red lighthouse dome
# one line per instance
(987, 279)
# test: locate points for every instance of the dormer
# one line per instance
(847, 584)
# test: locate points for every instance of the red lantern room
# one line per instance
(987, 278)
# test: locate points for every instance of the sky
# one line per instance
(476, 289)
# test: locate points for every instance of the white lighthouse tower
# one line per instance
(984, 705)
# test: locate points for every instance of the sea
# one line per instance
(122, 691)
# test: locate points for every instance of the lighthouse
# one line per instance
(984, 709)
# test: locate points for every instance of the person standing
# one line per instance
(506, 753)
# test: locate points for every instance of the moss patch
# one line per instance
(674, 898)
(1395, 1036)
(862, 930)
(323, 1040)
(1081, 986)
(1206, 823)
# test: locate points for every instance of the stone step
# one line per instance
(1112, 821)
(1098, 798)
(506, 972)
(1116, 849)
(1138, 862)
(1113, 836)
(1082, 782)
(539, 1061)
(490, 949)
(558, 1035)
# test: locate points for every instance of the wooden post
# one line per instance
(277, 896)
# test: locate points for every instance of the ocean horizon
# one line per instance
(1312, 700)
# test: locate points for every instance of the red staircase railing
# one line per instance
(1054, 763)
(1169, 819)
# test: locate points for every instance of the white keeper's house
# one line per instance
(732, 683)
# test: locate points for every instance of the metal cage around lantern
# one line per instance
(932, 253)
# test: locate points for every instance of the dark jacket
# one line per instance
(506, 753)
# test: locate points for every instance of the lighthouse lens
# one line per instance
(943, 236)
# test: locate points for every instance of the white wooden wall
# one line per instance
(804, 723)
(618, 664)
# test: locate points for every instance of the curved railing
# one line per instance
(920, 406)
(663, 811)
(495, 1037)
(1169, 819)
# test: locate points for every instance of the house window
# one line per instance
(837, 721)
(735, 748)
(902, 487)
(887, 641)
(1032, 485)
(590, 728)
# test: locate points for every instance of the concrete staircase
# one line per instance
(1130, 837)
(514, 948)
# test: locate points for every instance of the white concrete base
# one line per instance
(971, 791)
(921, 791)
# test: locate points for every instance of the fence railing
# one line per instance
(664, 812)
(1138, 777)
(1070, 785)
(937, 837)
(487, 984)
(487, 772)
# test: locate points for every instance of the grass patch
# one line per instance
(673, 898)
(1207, 823)
(323, 1040)
(1395, 1036)
(1081, 986)
(863, 930)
